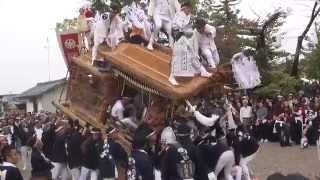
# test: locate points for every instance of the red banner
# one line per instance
(69, 44)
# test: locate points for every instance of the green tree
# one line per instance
(104, 5)
(226, 12)
(267, 37)
(314, 15)
(99, 5)
(312, 62)
(278, 82)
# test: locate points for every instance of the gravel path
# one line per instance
(273, 158)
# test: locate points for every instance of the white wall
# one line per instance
(29, 106)
(45, 101)
(39, 105)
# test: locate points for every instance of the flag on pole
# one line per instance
(69, 46)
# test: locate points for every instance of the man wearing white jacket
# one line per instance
(225, 159)
(162, 13)
(118, 113)
(182, 19)
(185, 61)
(100, 32)
(140, 25)
(115, 34)
(205, 121)
(204, 36)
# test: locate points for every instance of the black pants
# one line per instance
(256, 131)
(283, 134)
(270, 132)
(136, 39)
(231, 135)
(312, 135)
(261, 131)
(296, 131)
(248, 125)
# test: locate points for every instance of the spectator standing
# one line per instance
(9, 165)
(41, 166)
(91, 149)
(262, 113)
(246, 115)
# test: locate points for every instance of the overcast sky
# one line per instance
(25, 26)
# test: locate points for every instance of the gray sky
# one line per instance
(25, 26)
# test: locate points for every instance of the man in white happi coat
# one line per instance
(118, 113)
(204, 37)
(162, 13)
(202, 119)
(185, 62)
(100, 31)
(245, 70)
(182, 20)
(140, 25)
(226, 156)
(115, 34)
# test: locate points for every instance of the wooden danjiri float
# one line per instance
(134, 71)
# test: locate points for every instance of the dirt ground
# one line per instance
(273, 158)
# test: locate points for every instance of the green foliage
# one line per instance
(268, 47)
(67, 25)
(99, 5)
(312, 62)
(218, 12)
(104, 5)
(193, 3)
(227, 12)
(278, 82)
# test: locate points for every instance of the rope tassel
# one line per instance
(135, 83)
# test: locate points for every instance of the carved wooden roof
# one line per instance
(152, 68)
(149, 70)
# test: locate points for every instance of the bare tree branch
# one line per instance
(295, 65)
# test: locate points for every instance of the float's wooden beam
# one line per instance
(123, 138)
(85, 62)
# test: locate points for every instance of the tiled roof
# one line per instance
(42, 88)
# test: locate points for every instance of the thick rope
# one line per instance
(137, 84)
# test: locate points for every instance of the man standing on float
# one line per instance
(162, 13)
(185, 61)
(204, 36)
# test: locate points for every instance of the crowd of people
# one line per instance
(214, 139)
(290, 119)
(60, 148)
(192, 39)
